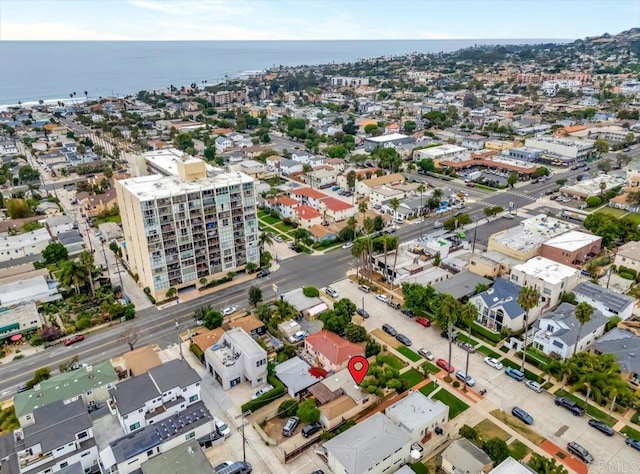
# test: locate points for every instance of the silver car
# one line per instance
(535, 386)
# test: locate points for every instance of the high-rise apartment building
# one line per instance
(188, 227)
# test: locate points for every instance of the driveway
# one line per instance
(554, 423)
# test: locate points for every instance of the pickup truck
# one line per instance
(570, 405)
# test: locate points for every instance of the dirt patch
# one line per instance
(488, 429)
(385, 338)
(520, 427)
(273, 429)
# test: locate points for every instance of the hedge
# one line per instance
(481, 331)
(278, 391)
(197, 351)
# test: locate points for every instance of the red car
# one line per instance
(423, 322)
(73, 340)
(443, 364)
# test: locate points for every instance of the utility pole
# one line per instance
(244, 439)
(179, 339)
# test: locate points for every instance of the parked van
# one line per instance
(290, 427)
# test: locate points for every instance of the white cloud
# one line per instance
(48, 31)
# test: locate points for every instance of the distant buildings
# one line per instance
(391, 140)
(565, 150)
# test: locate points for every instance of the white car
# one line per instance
(229, 310)
(262, 391)
(425, 353)
(495, 363)
(222, 428)
(535, 386)
(382, 298)
(348, 245)
(331, 292)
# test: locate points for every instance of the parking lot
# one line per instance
(554, 423)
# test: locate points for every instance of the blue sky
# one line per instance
(312, 19)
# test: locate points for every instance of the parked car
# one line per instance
(602, 427)
(535, 386)
(264, 273)
(570, 405)
(454, 335)
(495, 363)
(389, 330)
(311, 429)
(22, 388)
(347, 245)
(522, 415)
(229, 310)
(437, 225)
(73, 339)
(364, 288)
(331, 292)
(290, 426)
(262, 391)
(578, 451)
(514, 374)
(277, 238)
(467, 347)
(423, 322)
(404, 339)
(362, 312)
(425, 353)
(444, 365)
(461, 376)
(407, 312)
(238, 467)
(298, 336)
(634, 443)
(393, 304)
(222, 428)
(383, 298)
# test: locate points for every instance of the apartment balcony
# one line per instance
(184, 240)
(37, 459)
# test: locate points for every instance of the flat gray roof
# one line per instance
(416, 410)
(614, 301)
(186, 458)
(366, 444)
(294, 373)
(461, 285)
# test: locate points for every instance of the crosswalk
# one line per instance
(523, 195)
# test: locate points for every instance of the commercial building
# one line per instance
(566, 150)
(550, 278)
(557, 331)
(187, 458)
(572, 248)
(237, 358)
(365, 186)
(17, 320)
(593, 187)
(492, 264)
(524, 153)
(609, 302)
(182, 229)
(342, 81)
(523, 241)
(59, 440)
(442, 152)
(36, 288)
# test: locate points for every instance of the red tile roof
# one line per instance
(286, 201)
(333, 347)
(309, 192)
(335, 204)
(306, 212)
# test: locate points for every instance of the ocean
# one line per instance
(41, 70)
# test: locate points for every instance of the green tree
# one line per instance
(200, 312)
(255, 295)
(584, 311)
(409, 126)
(427, 165)
(394, 204)
(449, 311)
(287, 408)
(351, 179)
(54, 252)
(593, 201)
(601, 145)
(372, 348)
(468, 314)
(528, 298)
(604, 165)
(454, 222)
(27, 173)
(72, 275)
(264, 239)
(40, 375)
(308, 412)
(87, 261)
(512, 179)
(345, 307)
(545, 465)
(496, 449)
(355, 333)
(263, 312)
(18, 208)
(213, 319)
(300, 234)
(469, 433)
(370, 128)
(209, 153)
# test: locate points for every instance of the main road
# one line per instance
(159, 326)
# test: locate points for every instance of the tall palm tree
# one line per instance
(264, 239)
(528, 298)
(362, 209)
(72, 274)
(584, 311)
(385, 242)
(358, 251)
(421, 189)
(468, 314)
(87, 261)
(559, 369)
(395, 258)
(394, 204)
(449, 310)
(613, 389)
(369, 229)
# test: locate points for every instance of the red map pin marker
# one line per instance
(358, 368)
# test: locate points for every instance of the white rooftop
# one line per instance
(244, 342)
(387, 138)
(9, 243)
(572, 240)
(532, 232)
(416, 410)
(591, 187)
(546, 270)
(157, 186)
(165, 161)
(511, 466)
(438, 151)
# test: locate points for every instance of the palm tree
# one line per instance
(86, 96)
(358, 251)
(591, 382)
(602, 187)
(528, 298)
(449, 310)
(584, 311)
(468, 314)
(559, 369)
(264, 239)
(72, 274)
(88, 262)
(300, 234)
(385, 242)
(394, 204)
(362, 209)
(395, 258)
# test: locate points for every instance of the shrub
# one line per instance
(626, 276)
(447, 379)
(83, 323)
(310, 292)
(287, 408)
(594, 201)
(630, 271)
(308, 411)
(468, 432)
(197, 351)
(456, 384)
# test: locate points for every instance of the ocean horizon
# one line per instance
(52, 70)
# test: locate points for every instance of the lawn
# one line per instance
(630, 432)
(515, 365)
(391, 360)
(591, 410)
(267, 219)
(431, 368)
(488, 352)
(412, 376)
(486, 188)
(408, 353)
(518, 450)
(612, 211)
(519, 426)
(456, 406)
(633, 217)
(488, 429)
(419, 468)
(281, 226)
(102, 220)
(428, 389)
(464, 338)
(538, 356)
(504, 349)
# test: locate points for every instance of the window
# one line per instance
(140, 410)
(86, 453)
(184, 389)
(135, 426)
(28, 417)
(82, 435)
(193, 398)
(150, 452)
(261, 362)
(189, 436)
(63, 464)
